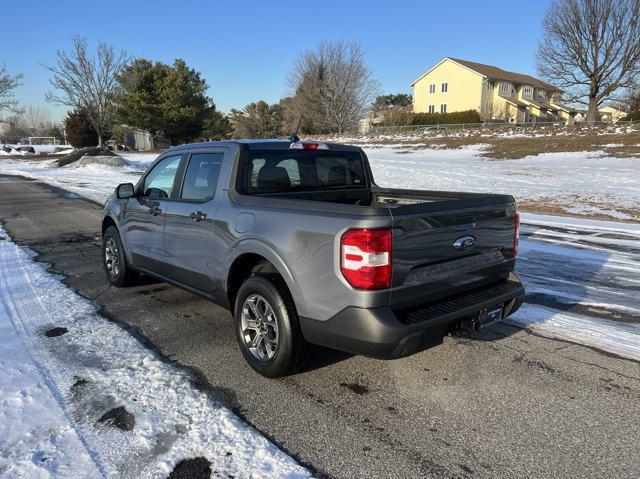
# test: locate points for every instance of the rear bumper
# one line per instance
(385, 334)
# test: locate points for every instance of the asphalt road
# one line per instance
(504, 403)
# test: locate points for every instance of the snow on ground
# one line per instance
(578, 183)
(54, 391)
(582, 279)
(95, 182)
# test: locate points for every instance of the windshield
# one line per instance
(301, 170)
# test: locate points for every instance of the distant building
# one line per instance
(142, 140)
(459, 85)
(607, 114)
(610, 114)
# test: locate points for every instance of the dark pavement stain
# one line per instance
(120, 418)
(466, 469)
(54, 332)
(357, 388)
(533, 363)
(195, 468)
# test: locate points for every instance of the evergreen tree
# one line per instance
(79, 129)
(259, 120)
(217, 127)
(168, 100)
(400, 101)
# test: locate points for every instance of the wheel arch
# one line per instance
(258, 257)
(109, 221)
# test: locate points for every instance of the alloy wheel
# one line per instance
(259, 327)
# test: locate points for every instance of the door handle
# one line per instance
(155, 211)
(198, 216)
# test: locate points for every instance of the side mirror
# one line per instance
(124, 191)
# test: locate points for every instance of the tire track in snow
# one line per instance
(16, 310)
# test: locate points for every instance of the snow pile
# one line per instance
(111, 161)
(66, 369)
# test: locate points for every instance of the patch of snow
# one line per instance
(588, 181)
(95, 182)
(578, 223)
(617, 338)
(581, 277)
(54, 390)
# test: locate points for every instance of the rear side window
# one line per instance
(290, 171)
(201, 177)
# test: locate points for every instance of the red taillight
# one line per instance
(516, 234)
(365, 258)
(310, 146)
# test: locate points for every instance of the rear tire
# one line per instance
(115, 261)
(267, 327)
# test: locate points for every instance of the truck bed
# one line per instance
(382, 198)
(425, 225)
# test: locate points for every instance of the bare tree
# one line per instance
(37, 120)
(630, 101)
(333, 85)
(496, 112)
(591, 48)
(8, 83)
(88, 83)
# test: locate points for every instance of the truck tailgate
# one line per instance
(450, 251)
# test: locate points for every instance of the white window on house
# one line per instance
(505, 87)
(527, 91)
(445, 87)
(432, 88)
(540, 95)
(490, 85)
(443, 108)
(432, 108)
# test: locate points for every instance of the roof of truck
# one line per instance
(262, 144)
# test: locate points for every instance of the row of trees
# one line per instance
(590, 48)
(331, 89)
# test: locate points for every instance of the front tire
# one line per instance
(267, 327)
(115, 261)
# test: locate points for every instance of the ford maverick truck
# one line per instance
(303, 247)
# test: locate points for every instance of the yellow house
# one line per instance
(498, 95)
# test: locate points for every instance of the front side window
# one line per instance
(432, 108)
(445, 87)
(158, 184)
(201, 177)
(443, 108)
(432, 88)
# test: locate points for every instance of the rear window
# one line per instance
(301, 170)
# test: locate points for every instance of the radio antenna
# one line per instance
(294, 136)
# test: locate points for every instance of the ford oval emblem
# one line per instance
(464, 242)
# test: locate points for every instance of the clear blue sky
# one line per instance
(244, 49)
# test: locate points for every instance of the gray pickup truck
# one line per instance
(300, 244)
